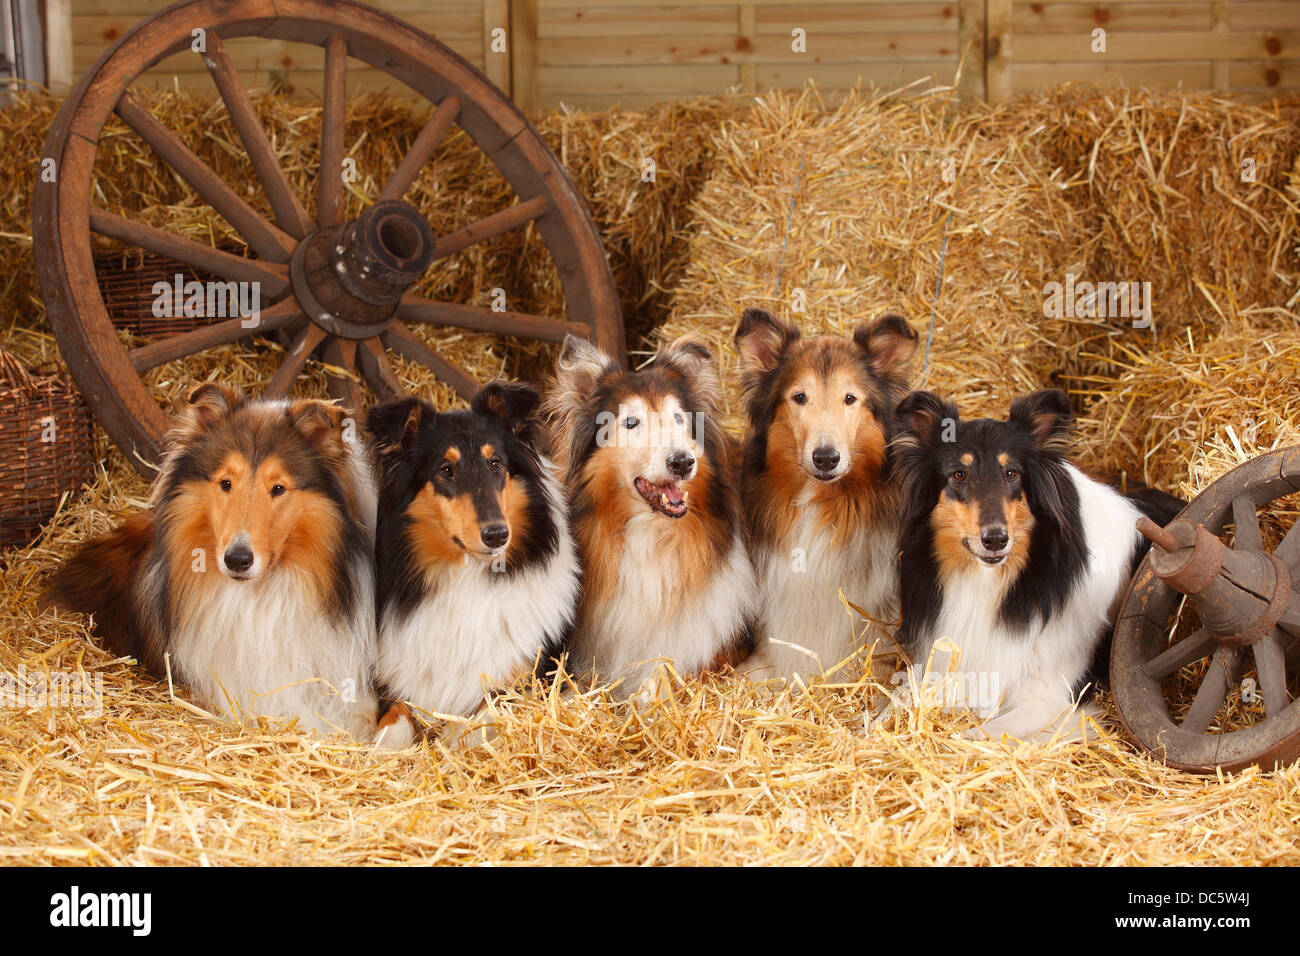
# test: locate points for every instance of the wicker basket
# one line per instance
(47, 446)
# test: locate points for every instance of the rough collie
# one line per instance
(821, 512)
(250, 575)
(651, 485)
(476, 568)
(1012, 555)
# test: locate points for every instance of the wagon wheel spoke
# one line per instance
(1245, 520)
(372, 360)
(1214, 688)
(425, 143)
(1288, 552)
(274, 278)
(1191, 648)
(340, 355)
(401, 340)
(221, 333)
(289, 213)
(329, 202)
(489, 227)
(415, 308)
(1270, 666)
(308, 339)
(265, 239)
(1290, 619)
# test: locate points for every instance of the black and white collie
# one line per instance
(821, 511)
(651, 484)
(1011, 558)
(477, 571)
(251, 573)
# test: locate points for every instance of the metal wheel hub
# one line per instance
(349, 280)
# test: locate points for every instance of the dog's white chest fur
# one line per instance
(799, 596)
(1027, 677)
(263, 647)
(478, 625)
(654, 613)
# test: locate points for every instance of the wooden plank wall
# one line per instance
(593, 53)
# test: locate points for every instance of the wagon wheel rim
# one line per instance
(110, 375)
(1142, 659)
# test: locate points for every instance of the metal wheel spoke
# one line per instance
(1270, 666)
(221, 333)
(416, 308)
(1189, 649)
(289, 212)
(274, 278)
(491, 226)
(329, 205)
(372, 360)
(1214, 688)
(425, 143)
(402, 341)
(1246, 523)
(311, 336)
(341, 353)
(268, 241)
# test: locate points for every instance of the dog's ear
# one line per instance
(889, 343)
(319, 421)
(580, 366)
(921, 417)
(513, 403)
(761, 340)
(209, 403)
(690, 356)
(394, 425)
(1046, 416)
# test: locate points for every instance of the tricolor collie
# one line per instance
(654, 508)
(821, 511)
(1010, 553)
(477, 571)
(251, 572)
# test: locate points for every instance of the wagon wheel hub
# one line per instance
(350, 279)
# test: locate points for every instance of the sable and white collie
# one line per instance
(1011, 554)
(251, 572)
(477, 573)
(651, 484)
(821, 511)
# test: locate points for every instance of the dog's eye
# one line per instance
(631, 422)
(447, 472)
(277, 491)
(495, 465)
(799, 398)
(677, 417)
(225, 484)
(959, 475)
(1012, 474)
(850, 398)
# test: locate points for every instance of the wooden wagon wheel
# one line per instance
(339, 286)
(1248, 614)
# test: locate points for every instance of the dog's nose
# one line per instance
(826, 458)
(994, 539)
(494, 535)
(239, 558)
(680, 463)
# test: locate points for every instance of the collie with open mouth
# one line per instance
(1012, 556)
(821, 510)
(651, 485)
(477, 571)
(251, 573)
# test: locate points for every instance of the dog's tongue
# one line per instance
(667, 498)
(672, 493)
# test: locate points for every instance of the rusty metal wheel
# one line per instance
(338, 288)
(1248, 618)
